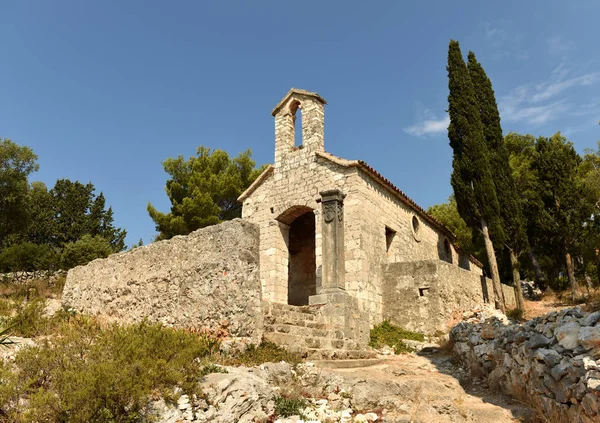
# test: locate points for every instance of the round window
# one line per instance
(416, 226)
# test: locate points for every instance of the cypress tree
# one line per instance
(471, 176)
(510, 213)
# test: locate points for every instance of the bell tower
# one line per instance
(311, 105)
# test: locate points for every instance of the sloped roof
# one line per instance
(296, 91)
(398, 193)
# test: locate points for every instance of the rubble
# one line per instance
(550, 362)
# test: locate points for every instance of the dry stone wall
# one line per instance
(550, 362)
(431, 295)
(208, 279)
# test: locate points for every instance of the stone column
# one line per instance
(332, 238)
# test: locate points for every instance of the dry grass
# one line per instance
(40, 288)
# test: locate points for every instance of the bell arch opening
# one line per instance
(302, 269)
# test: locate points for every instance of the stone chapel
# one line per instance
(326, 249)
(333, 228)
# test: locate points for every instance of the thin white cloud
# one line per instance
(534, 115)
(429, 127)
(504, 43)
(554, 88)
(540, 103)
(532, 104)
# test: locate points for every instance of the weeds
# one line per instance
(285, 407)
(265, 352)
(89, 374)
(515, 314)
(387, 334)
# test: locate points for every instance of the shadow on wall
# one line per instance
(484, 289)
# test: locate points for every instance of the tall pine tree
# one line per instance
(471, 176)
(506, 192)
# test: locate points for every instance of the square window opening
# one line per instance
(389, 238)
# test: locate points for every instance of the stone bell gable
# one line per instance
(311, 106)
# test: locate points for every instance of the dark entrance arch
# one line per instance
(302, 260)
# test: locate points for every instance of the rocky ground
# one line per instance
(406, 388)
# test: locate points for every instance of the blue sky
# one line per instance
(105, 91)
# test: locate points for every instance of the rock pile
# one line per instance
(550, 362)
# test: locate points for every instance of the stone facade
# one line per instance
(205, 280)
(374, 226)
(431, 295)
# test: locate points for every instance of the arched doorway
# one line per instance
(302, 262)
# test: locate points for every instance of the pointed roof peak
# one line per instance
(296, 91)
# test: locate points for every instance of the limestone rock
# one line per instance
(589, 337)
(567, 334)
(551, 358)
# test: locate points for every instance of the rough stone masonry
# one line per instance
(550, 361)
(207, 279)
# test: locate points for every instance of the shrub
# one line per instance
(27, 257)
(387, 334)
(285, 407)
(29, 320)
(515, 313)
(86, 374)
(84, 250)
(265, 352)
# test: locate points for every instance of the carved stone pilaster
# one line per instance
(334, 271)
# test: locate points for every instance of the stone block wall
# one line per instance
(208, 279)
(550, 362)
(293, 186)
(430, 295)
(371, 209)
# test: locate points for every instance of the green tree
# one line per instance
(522, 152)
(513, 223)
(84, 250)
(568, 203)
(16, 164)
(203, 190)
(447, 214)
(78, 211)
(471, 177)
(590, 173)
(27, 257)
(41, 228)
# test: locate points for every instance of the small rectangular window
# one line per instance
(423, 292)
(389, 238)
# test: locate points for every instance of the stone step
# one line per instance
(295, 319)
(316, 342)
(278, 307)
(349, 363)
(294, 315)
(320, 331)
(325, 354)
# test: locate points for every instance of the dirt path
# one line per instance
(436, 390)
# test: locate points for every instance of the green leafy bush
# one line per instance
(265, 352)
(285, 407)
(84, 250)
(29, 320)
(387, 334)
(27, 257)
(89, 374)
